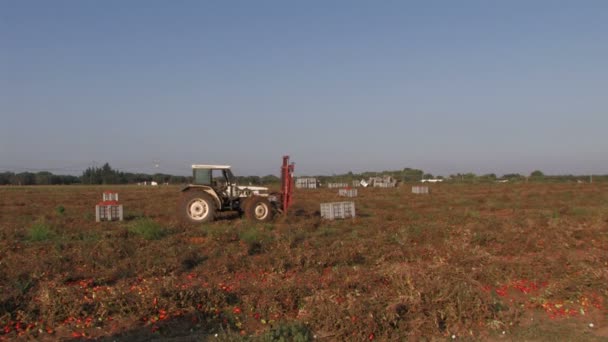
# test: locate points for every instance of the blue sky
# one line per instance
(445, 86)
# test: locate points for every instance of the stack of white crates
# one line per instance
(347, 192)
(384, 185)
(337, 210)
(336, 185)
(109, 209)
(382, 182)
(306, 183)
(420, 189)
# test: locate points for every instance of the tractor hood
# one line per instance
(248, 190)
(253, 188)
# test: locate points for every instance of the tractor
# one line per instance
(214, 189)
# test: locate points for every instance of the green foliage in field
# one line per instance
(148, 229)
(256, 237)
(291, 332)
(40, 232)
(60, 210)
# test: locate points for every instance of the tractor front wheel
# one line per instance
(197, 207)
(258, 208)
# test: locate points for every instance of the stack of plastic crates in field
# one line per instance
(347, 192)
(109, 209)
(306, 183)
(337, 210)
(382, 182)
(420, 190)
(336, 185)
(384, 185)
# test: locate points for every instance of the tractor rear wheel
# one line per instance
(197, 207)
(258, 208)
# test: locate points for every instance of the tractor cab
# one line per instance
(218, 177)
(223, 183)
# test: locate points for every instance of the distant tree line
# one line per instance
(536, 176)
(405, 175)
(92, 175)
(38, 178)
(257, 180)
(409, 175)
(107, 175)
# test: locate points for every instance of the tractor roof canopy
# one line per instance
(213, 167)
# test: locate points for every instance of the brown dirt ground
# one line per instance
(472, 261)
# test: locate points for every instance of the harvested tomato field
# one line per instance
(475, 262)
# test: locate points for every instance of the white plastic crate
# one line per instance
(306, 183)
(382, 182)
(347, 192)
(420, 190)
(110, 196)
(109, 209)
(385, 185)
(336, 185)
(337, 210)
(110, 212)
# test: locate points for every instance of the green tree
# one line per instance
(23, 178)
(411, 175)
(512, 176)
(270, 179)
(490, 177)
(43, 178)
(5, 178)
(537, 174)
